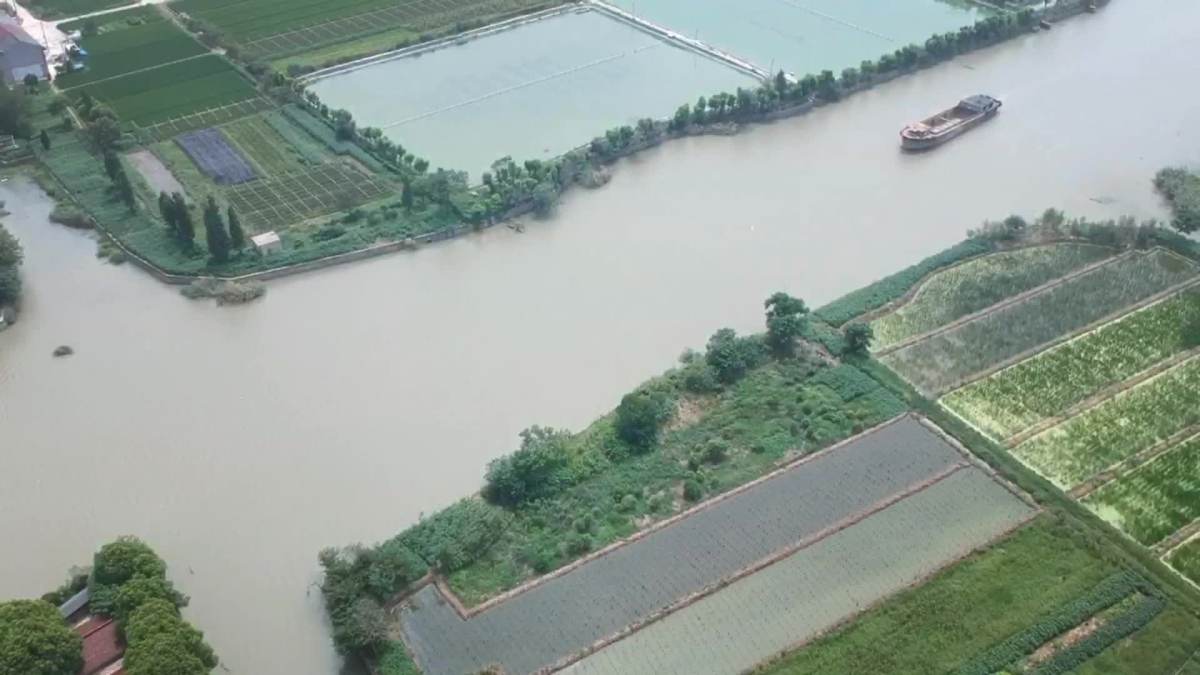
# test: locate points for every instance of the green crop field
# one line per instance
(1156, 499)
(968, 610)
(979, 283)
(271, 204)
(1118, 428)
(248, 19)
(1186, 559)
(1049, 383)
(945, 360)
(265, 147)
(143, 39)
(208, 117)
(173, 90)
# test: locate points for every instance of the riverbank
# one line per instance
(475, 207)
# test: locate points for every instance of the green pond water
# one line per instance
(807, 36)
(534, 91)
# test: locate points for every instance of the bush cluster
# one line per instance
(1182, 189)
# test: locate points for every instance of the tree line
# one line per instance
(11, 257)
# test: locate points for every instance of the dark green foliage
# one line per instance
(1069, 658)
(161, 642)
(117, 563)
(215, 234)
(77, 582)
(786, 319)
(140, 590)
(639, 417)
(364, 627)
(894, 287)
(846, 381)
(1182, 189)
(45, 139)
(457, 535)
(237, 236)
(1109, 592)
(731, 356)
(10, 263)
(536, 470)
(14, 113)
(34, 640)
(396, 661)
(166, 211)
(693, 490)
(819, 332)
(185, 230)
(858, 338)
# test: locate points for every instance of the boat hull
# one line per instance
(912, 144)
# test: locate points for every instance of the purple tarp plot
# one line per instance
(216, 157)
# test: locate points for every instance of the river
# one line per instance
(239, 441)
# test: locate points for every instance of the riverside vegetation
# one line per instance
(127, 581)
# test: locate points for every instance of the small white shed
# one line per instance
(267, 242)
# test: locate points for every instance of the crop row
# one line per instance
(264, 146)
(943, 361)
(813, 590)
(202, 119)
(1186, 559)
(1106, 594)
(249, 19)
(1117, 429)
(175, 89)
(1155, 499)
(152, 41)
(1116, 629)
(980, 283)
(893, 287)
(219, 160)
(321, 190)
(1049, 383)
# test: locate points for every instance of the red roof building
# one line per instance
(102, 646)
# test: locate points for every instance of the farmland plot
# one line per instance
(1155, 499)
(1186, 559)
(202, 119)
(1117, 429)
(979, 283)
(945, 360)
(147, 97)
(1049, 383)
(627, 585)
(125, 48)
(809, 592)
(260, 143)
(272, 203)
(216, 157)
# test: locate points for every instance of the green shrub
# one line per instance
(639, 417)
(457, 535)
(693, 491)
(538, 469)
(1120, 627)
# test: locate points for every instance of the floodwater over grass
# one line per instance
(532, 92)
(807, 36)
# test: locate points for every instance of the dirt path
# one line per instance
(1181, 536)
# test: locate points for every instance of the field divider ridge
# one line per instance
(1103, 396)
(1133, 462)
(1178, 538)
(139, 71)
(781, 554)
(978, 463)
(1012, 300)
(1066, 337)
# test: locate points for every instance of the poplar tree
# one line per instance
(237, 236)
(215, 233)
(166, 209)
(185, 231)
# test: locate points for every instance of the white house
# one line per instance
(267, 242)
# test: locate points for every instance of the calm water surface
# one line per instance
(239, 441)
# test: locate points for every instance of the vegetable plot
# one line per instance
(977, 284)
(1046, 385)
(945, 360)
(219, 160)
(1156, 499)
(1186, 559)
(1117, 429)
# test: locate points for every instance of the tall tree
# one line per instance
(35, 639)
(166, 209)
(858, 338)
(185, 230)
(112, 164)
(406, 197)
(45, 138)
(237, 236)
(214, 230)
(125, 190)
(786, 321)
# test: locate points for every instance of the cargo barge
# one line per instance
(933, 131)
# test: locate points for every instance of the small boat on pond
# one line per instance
(933, 131)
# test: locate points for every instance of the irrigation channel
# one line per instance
(240, 441)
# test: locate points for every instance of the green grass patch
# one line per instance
(1156, 499)
(895, 286)
(1186, 559)
(977, 284)
(58, 9)
(1049, 383)
(342, 52)
(143, 40)
(248, 19)
(173, 90)
(963, 611)
(1117, 429)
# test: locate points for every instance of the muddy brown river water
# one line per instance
(240, 441)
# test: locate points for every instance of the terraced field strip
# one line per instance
(975, 285)
(1130, 463)
(551, 622)
(1122, 426)
(202, 119)
(1156, 499)
(1000, 337)
(1184, 557)
(173, 90)
(123, 49)
(1032, 395)
(263, 146)
(800, 597)
(273, 203)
